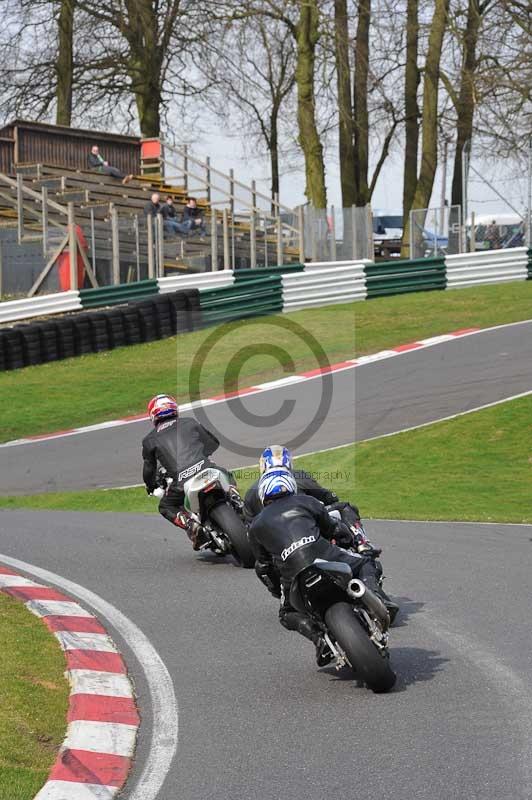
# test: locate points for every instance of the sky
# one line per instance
(511, 181)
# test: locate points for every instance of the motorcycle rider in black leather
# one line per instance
(279, 456)
(178, 445)
(290, 532)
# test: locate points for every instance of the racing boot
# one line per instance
(193, 529)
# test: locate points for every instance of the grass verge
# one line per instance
(477, 467)
(112, 384)
(33, 701)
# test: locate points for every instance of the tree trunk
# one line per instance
(307, 35)
(64, 65)
(429, 140)
(273, 145)
(411, 108)
(345, 108)
(360, 103)
(148, 99)
(145, 63)
(465, 107)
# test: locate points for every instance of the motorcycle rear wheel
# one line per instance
(366, 661)
(230, 523)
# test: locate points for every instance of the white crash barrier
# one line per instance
(492, 266)
(39, 306)
(197, 280)
(324, 286)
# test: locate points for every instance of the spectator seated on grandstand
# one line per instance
(99, 164)
(193, 218)
(171, 223)
(153, 206)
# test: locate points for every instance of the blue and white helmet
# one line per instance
(275, 456)
(275, 483)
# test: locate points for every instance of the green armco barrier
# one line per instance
(402, 276)
(255, 297)
(250, 274)
(113, 295)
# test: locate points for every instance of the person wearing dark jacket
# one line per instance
(153, 206)
(182, 446)
(290, 532)
(99, 164)
(171, 222)
(193, 218)
(277, 456)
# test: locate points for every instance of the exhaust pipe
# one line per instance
(359, 591)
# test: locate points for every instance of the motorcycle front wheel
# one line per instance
(226, 518)
(365, 659)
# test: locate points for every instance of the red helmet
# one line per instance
(162, 406)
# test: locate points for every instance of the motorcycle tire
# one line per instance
(366, 661)
(228, 520)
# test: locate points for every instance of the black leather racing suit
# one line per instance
(305, 485)
(286, 537)
(176, 444)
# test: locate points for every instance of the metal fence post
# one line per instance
(355, 237)
(20, 208)
(137, 243)
(72, 247)
(279, 238)
(472, 234)
(225, 221)
(214, 241)
(529, 215)
(252, 240)
(301, 226)
(44, 216)
(115, 245)
(93, 242)
(266, 260)
(149, 231)
(332, 240)
(369, 228)
(160, 248)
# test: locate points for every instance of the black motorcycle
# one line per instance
(353, 619)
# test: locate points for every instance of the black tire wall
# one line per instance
(157, 317)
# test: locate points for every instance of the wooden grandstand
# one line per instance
(42, 198)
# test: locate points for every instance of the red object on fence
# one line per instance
(150, 148)
(63, 263)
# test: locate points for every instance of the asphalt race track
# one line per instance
(256, 717)
(373, 399)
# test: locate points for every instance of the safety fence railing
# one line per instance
(494, 266)
(400, 277)
(229, 295)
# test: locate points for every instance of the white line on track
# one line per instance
(164, 736)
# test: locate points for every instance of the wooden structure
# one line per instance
(24, 142)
